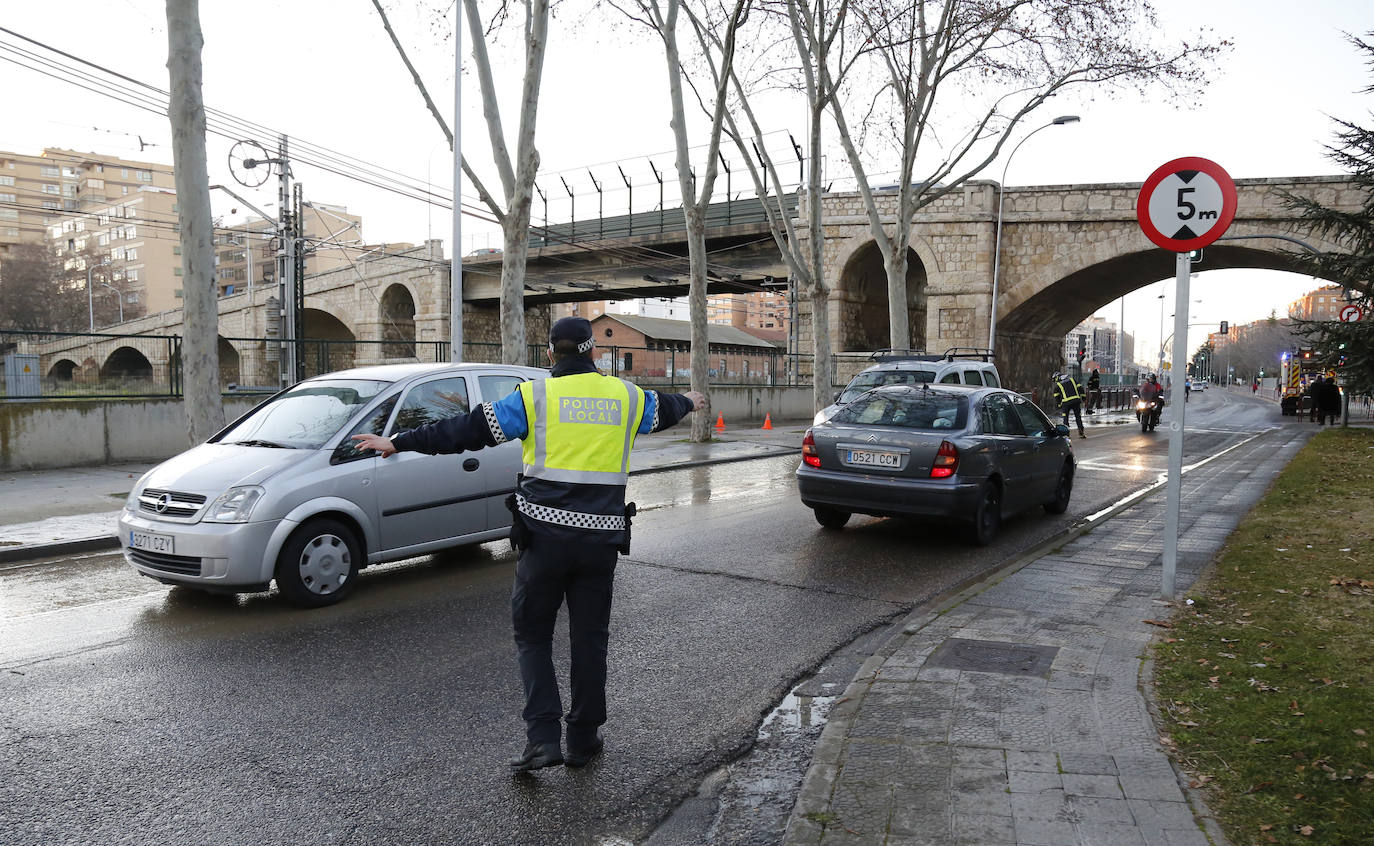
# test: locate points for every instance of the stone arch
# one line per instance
(126, 364)
(1030, 333)
(63, 370)
(328, 343)
(397, 316)
(228, 363)
(861, 296)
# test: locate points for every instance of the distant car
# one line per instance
(485, 251)
(956, 366)
(282, 494)
(945, 451)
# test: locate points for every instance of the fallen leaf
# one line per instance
(1163, 624)
(1257, 787)
(1306, 831)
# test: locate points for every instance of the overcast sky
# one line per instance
(324, 72)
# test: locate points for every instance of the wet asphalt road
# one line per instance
(133, 713)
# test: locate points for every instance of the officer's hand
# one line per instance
(376, 443)
(698, 400)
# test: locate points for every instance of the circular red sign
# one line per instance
(1186, 204)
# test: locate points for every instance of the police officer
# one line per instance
(569, 521)
(1069, 397)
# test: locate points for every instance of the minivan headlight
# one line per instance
(234, 505)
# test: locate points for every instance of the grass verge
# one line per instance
(1267, 680)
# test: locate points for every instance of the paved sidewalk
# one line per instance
(1014, 713)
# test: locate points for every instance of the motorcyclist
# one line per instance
(1152, 392)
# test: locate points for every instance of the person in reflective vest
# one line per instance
(1069, 397)
(570, 520)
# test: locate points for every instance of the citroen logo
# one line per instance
(164, 502)
(873, 439)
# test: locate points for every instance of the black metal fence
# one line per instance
(66, 365)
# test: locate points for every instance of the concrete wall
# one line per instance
(78, 433)
(43, 435)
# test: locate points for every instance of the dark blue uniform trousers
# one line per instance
(548, 573)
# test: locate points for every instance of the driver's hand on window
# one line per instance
(376, 443)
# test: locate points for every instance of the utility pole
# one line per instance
(286, 268)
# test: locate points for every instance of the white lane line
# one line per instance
(1163, 477)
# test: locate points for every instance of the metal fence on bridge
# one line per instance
(67, 365)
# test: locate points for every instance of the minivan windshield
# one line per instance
(305, 416)
(906, 409)
(878, 378)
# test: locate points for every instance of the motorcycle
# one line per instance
(1147, 412)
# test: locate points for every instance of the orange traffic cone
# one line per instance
(720, 422)
(767, 421)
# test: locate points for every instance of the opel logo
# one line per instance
(164, 502)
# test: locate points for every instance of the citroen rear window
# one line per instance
(923, 410)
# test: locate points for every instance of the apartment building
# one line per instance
(1099, 338)
(333, 238)
(1321, 304)
(36, 191)
(755, 310)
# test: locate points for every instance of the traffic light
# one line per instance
(1082, 348)
(1305, 354)
(1224, 327)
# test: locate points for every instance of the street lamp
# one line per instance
(119, 298)
(90, 296)
(997, 238)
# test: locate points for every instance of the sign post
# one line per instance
(1185, 205)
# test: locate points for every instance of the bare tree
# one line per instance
(717, 55)
(200, 346)
(517, 176)
(975, 71)
(816, 32)
(37, 294)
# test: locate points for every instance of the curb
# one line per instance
(29, 552)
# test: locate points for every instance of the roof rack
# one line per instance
(968, 352)
(893, 354)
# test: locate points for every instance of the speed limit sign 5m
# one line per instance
(1186, 204)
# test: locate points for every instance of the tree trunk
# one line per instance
(200, 347)
(898, 310)
(696, 309)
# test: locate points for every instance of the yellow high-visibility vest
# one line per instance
(581, 428)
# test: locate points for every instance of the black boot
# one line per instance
(537, 756)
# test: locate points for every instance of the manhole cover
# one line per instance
(990, 656)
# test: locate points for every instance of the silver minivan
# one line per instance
(283, 495)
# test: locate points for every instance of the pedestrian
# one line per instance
(1310, 398)
(1069, 397)
(1254, 387)
(1328, 397)
(1094, 390)
(570, 520)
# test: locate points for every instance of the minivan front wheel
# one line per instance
(319, 563)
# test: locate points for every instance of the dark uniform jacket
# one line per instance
(573, 511)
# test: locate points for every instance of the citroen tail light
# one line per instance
(810, 457)
(946, 461)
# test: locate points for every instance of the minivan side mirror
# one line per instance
(1061, 430)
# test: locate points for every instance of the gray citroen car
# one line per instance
(283, 495)
(971, 453)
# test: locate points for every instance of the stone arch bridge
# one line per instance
(1067, 250)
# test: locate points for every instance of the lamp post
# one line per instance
(1160, 371)
(90, 295)
(119, 298)
(997, 238)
